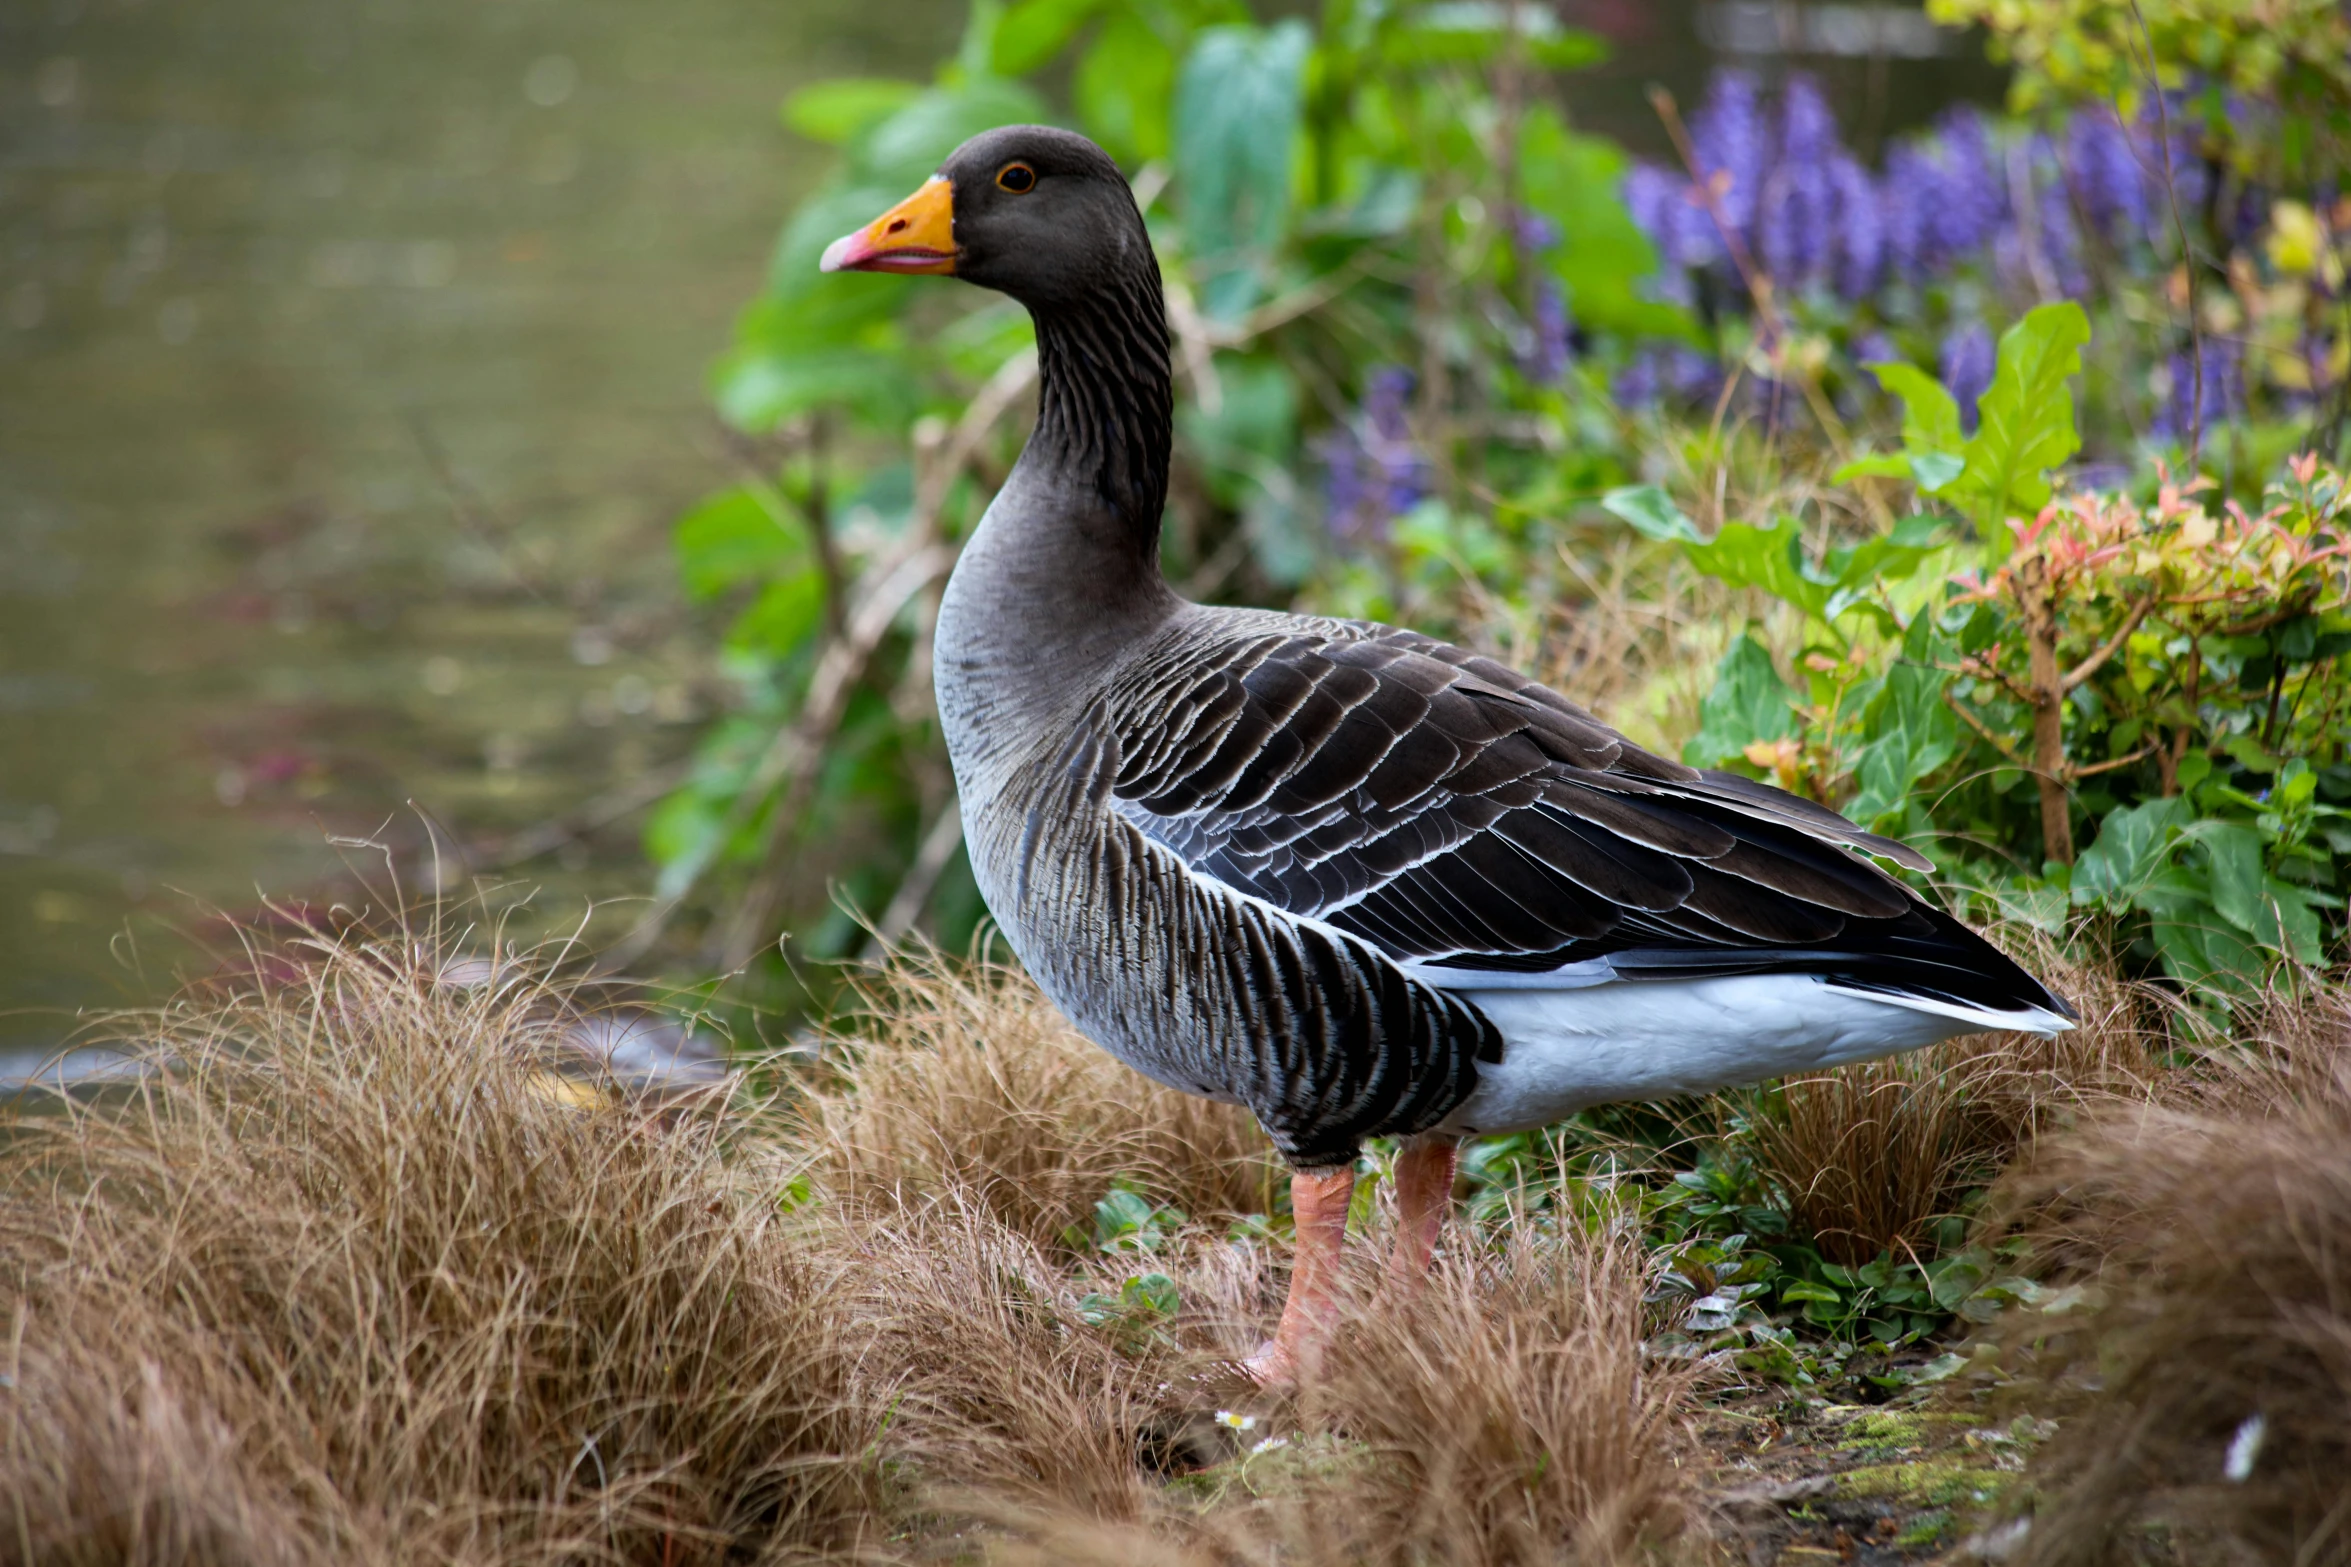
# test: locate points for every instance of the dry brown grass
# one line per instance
(964, 1079)
(2212, 1234)
(351, 1278)
(1868, 1157)
(1503, 1414)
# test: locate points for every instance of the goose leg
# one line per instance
(1424, 1196)
(1318, 1211)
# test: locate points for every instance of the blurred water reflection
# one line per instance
(350, 370)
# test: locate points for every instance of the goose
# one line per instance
(1357, 880)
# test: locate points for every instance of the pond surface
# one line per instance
(351, 370)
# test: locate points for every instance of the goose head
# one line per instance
(1040, 214)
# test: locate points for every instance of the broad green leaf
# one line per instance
(1471, 32)
(783, 615)
(1911, 733)
(2133, 843)
(836, 111)
(2024, 422)
(1034, 31)
(1123, 89)
(1880, 465)
(1934, 471)
(1749, 702)
(1768, 558)
(1805, 1289)
(2232, 858)
(1930, 415)
(733, 537)
(1236, 118)
(1651, 512)
(1892, 555)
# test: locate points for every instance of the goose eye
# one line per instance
(1017, 178)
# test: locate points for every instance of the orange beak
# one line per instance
(917, 235)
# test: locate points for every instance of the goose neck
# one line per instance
(1105, 406)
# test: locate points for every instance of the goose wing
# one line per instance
(1461, 817)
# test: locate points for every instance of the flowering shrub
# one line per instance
(2167, 667)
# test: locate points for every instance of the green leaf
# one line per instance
(839, 110)
(1123, 89)
(1935, 470)
(2232, 858)
(1768, 558)
(733, 537)
(1881, 465)
(1749, 702)
(1805, 1289)
(1237, 105)
(1034, 31)
(2133, 843)
(1652, 513)
(783, 615)
(1930, 415)
(1911, 733)
(1151, 1295)
(2024, 421)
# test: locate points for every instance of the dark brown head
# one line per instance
(1038, 213)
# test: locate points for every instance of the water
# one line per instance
(351, 369)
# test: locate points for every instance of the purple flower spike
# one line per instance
(1728, 136)
(1547, 355)
(1860, 228)
(1904, 197)
(2102, 169)
(1969, 198)
(1967, 365)
(1635, 385)
(1797, 221)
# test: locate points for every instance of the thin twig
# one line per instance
(2113, 645)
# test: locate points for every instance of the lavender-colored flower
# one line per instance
(2102, 169)
(1346, 496)
(1728, 136)
(1968, 197)
(1635, 385)
(1796, 222)
(1905, 195)
(1874, 348)
(1860, 228)
(1402, 472)
(1966, 366)
(1672, 374)
(1549, 347)
(1662, 207)
(1691, 376)
(2223, 390)
(1531, 233)
(2061, 240)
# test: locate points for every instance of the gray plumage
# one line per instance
(1276, 860)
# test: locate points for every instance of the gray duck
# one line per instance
(1359, 881)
